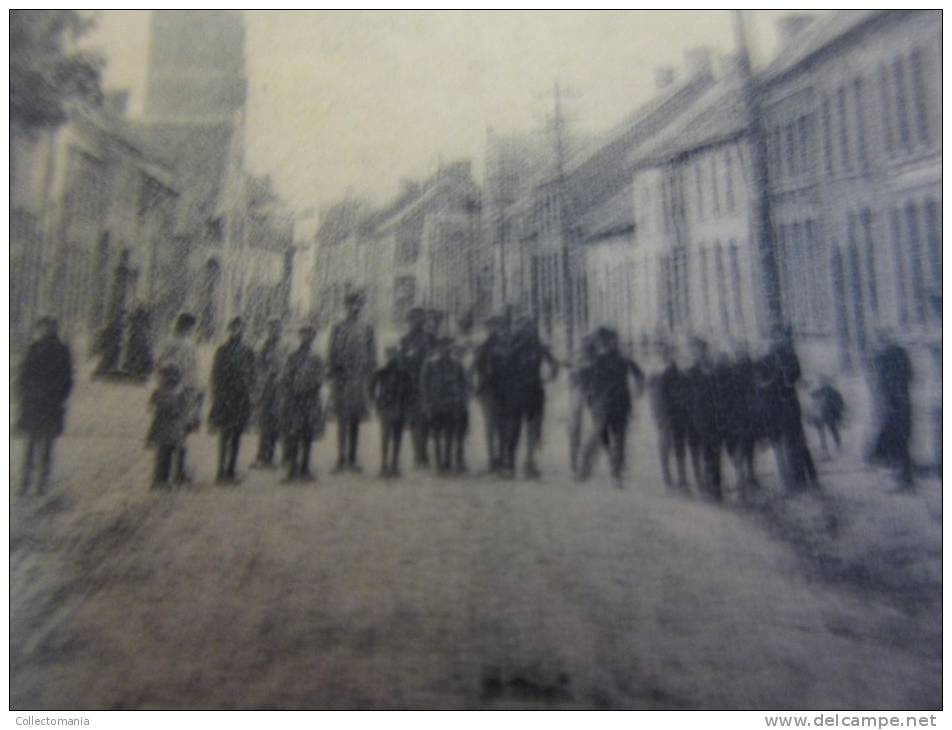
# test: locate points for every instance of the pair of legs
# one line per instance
(610, 431)
(419, 433)
(672, 436)
(297, 454)
(705, 451)
(38, 445)
(169, 460)
(229, 443)
(491, 425)
(449, 434)
(391, 435)
(348, 436)
(267, 441)
(799, 469)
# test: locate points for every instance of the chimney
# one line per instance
(663, 77)
(789, 27)
(699, 62)
(116, 102)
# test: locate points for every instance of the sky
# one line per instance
(351, 102)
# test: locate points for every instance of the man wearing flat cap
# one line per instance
(233, 379)
(352, 360)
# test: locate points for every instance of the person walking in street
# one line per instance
(233, 377)
(525, 392)
(109, 344)
(392, 389)
(170, 411)
(892, 376)
(580, 383)
(179, 352)
(443, 386)
(271, 358)
(827, 410)
(44, 383)
(352, 360)
(415, 348)
(610, 403)
(797, 467)
(302, 416)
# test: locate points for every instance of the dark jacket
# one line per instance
(415, 348)
(233, 379)
(300, 389)
(608, 385)
(44, 383)
(392, 390)
(443, 386)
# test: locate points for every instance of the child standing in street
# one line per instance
(170, 406)
(392, 390)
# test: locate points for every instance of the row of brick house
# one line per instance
(422, 249)
(164, 197)
(661, 210)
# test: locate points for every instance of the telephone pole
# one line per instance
(567, 229)
(763, 230)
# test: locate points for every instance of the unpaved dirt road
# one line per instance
(423, 593)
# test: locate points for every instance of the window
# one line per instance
(902, 111)
(802, 128)
(915, 262)
(866, 218)
(844, 131)
(722, 286)
(902, 302)
(705, 288)
(827, 134)
(886, 112)
(738, 293)
(715, 188)
(404, 293)
(860, 105)
(791, 152)
(921, 101)
(699, 190)
(934, 234)
(729, 179)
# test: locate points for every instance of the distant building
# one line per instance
(852, 108)
(81, 196)
(239, 238)
(421, 250)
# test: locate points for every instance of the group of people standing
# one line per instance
(728, 405)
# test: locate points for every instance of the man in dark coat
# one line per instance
(738, 413)
(671, 406)
(391, 389)
(489, 366)
(797, 464)
(302, 417)
(232, 382)
(138, 361)
(43, 384)
(109, 344)
(415, 348)
(609, 402)
(705, 438)
(352, 360)
(891, 377)
(271, 359)
(524, 393)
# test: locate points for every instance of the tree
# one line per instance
(47, 70)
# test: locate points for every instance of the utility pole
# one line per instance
(567, 229)
(763, 230)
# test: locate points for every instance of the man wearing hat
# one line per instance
(43, 384)
(670, 403)
(352, 360)
(415, 348)
(302, 418)
(443, 389)
(490, 366)
(233, 378)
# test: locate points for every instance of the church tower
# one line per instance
(196, 70)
